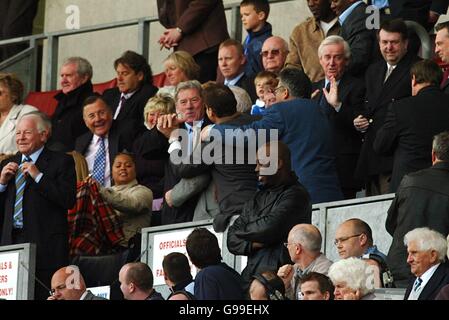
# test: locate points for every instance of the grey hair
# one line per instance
(427, 239)
(190, 84)
(43, 122)
(84, 68)
(334, 40)
(308, 236)
(356, 273)
(243, 99)
(440, 146)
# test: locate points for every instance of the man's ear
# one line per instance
(262, 15)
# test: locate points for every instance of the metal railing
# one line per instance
(143, 29)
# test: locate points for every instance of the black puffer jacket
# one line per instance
(267, 218)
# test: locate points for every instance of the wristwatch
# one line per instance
(179, 30)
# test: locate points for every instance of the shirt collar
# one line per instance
(326, 81)
(34, 155)
(198, 124)
(428, 274)
(127, 95)
(233, 81)
(348, 11)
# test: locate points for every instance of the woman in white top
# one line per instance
(11, 109)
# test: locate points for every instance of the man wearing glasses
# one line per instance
(274, 53)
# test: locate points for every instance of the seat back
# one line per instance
(160, 80)
(43, 101)
(101, 87)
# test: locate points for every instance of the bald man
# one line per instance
(274, 53)
(304, 246)
(68, 284)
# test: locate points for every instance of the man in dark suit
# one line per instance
(353, 19)
(67, 121)
(37, 187)
(442, 48)
(426, 255)
(231, 61)
(304, 128)
(411, 123)
(190, 107)
(341, 97)
(134, 88)
(234, 182)
(68, 284)
(103, 141)
(421, 201)
(386, 81)
(195, 26)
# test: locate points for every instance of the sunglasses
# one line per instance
(274, 52)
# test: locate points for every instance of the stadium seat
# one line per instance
(44, 101)
(101, 87)
(160, 80)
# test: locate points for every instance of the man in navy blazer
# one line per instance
(426, 254)
(304, 127)
(39, 213)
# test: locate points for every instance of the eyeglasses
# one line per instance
(59, 288)
(273, 52)
(286, 244)
(337, 241)
(278, 88)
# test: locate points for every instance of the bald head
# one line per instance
(307, 235)
(274, 53)
(68, 284)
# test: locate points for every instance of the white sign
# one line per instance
(9, 270)
(172, 241)
(104, 291)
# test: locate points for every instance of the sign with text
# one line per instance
(9, 270)
(172, 241)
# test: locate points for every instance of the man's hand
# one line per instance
(29, 168)
(332, 94)
(166, 124)
(355, 295)
(205, 133)
(315, 93)
(168, 199)
(170, 38)
(8, 172)
(286, 274)
(361, 123)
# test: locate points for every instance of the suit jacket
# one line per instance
(360, 39)
(203, 22)
(304, 128)
(417, 10)
(351, 93)
(130, 119)
(378, 96)
(410, 125)
(67, 121)
(422, 200)
(438, 280)
(445, 86)
(247, 83)
(45, 206)
(116, 142)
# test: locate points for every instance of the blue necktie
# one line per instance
(100, 163)
(417, 284)
(18, 205)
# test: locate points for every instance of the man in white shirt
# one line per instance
(426, 253)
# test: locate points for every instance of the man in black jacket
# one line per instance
(266, 219)
(421, 200)
(67, 121)
(411, 123)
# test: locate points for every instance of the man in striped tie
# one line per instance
(37, 187)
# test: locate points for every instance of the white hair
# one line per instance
(356, 273)
(427, 239)
(243, 99)
(308, 236)
(334, 40)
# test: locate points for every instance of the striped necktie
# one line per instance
(20, 188)
(99, 168)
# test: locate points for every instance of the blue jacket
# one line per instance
(305, 129)
(252, 47)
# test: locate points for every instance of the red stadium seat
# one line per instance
(160, 80)
(44, 101)
(101, 87)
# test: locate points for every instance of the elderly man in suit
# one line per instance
(386, 80)
(37, 187)
(442, 48)
(195, 26)
(426, 254)
(68, 284)
(411, 123)
(103, 141)
(341, 97)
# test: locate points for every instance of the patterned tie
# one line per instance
(120, 106)
(417, 285)
(20, 187)
(100, 163)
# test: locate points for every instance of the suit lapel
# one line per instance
(433, 283)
